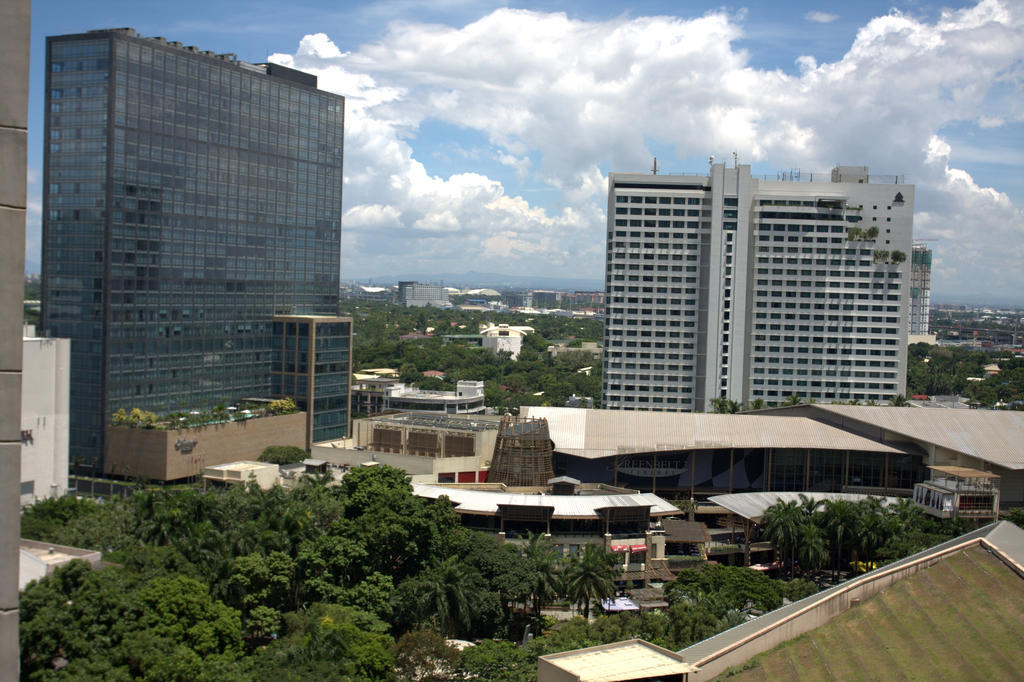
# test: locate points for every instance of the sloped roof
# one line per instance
(563, 506)
(753, 505)
(1003, 537)
(995, 436)
(602, 433)
(678, 530)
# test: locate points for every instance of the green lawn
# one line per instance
(960, 619)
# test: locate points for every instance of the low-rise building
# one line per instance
(373, 396)
(38, 560)
(505, 338)
(263, 474)
(430, 448)
(167, 453)
(634, 660)
(622, 521)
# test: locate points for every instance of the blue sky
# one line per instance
(480, 134)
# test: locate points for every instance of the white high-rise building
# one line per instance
(729, 286)
(45, 405)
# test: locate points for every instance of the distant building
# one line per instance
(590, 347)
(416, 295)
(543, 298)
(521, 299)
(505, 338)
(920, 288)
(372, 396)
(45, 404)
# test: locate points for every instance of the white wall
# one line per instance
(44, 412)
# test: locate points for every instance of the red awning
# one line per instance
(620, 548)
(636, 549)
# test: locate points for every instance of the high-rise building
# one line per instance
(312, 363)
(920, 288)
(188, 198)
(728, 286)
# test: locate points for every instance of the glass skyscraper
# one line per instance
(189, 197)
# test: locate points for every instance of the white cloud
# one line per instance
(821, 17)
(559, 99)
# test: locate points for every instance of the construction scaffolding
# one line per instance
(522, 452)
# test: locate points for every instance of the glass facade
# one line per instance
(312, 365)
(188, 198)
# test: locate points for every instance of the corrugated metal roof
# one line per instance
(602, 433)
(753, 505)
(995, 436)
(564, 506)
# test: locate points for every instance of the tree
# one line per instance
(725, 406)
(841, 521)
(793, 399)
(756, 404)
(782, 523)
(282, 454)
(542, 560)
(589, 576)
(497, 661)
(424, 656)
(282, 406)
(899, 400)
(810, 549)
(449, 591)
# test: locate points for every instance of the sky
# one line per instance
(479, 135)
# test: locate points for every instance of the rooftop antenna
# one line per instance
(654, 171)
(711, 160)
(735, 160)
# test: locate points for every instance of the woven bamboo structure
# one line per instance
(522, 452)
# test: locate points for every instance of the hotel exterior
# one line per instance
(729, 286)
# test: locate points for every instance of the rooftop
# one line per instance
(632, 659)
(487, 502)
(995, 436)
(959, 619)
(602, 433)
(753, 505)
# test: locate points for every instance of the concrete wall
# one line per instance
(45, 404)
(15, 20)
(816, 614)
(165, 455)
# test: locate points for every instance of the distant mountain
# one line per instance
(494, 280)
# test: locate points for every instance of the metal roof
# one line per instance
(753, 505)
(487, 502)
(995, 436)
(602, 433)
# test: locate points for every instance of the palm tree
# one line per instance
(899, 400)
(841, 522)
(448, 593)
(793, 399)
(782, 522)
(725, 406)
(810, 550)
(543, 562)
(590, 575)
(756, 404)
